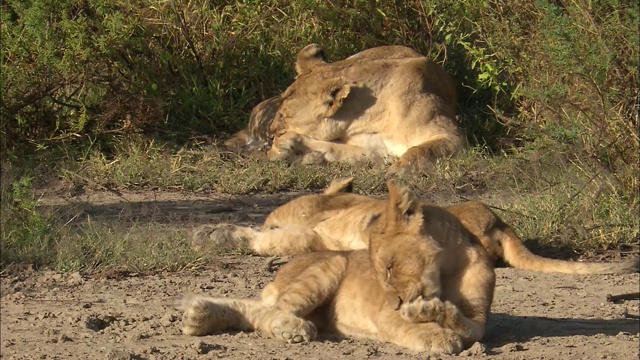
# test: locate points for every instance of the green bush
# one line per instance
(95, 71)
(27, 237)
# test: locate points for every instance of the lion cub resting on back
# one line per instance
(422, 285)
(337, 220)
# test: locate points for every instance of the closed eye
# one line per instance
(389, 272)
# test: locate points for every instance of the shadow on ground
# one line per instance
(503, 329)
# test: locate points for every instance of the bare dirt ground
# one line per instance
(48, 315)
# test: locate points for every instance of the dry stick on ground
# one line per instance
(109, 189)
(623, 297)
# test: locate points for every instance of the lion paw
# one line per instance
(397, 170)
(446, 343)
(286, 147)
(313, 158)
(434, 339)
(293, 329)
(290, 141)
(201, 316)
(420, 310)
(220, 236)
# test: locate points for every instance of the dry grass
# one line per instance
(547, 95)
(549, 197)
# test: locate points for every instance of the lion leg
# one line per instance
(287, 240)
(474, 297)
(422, 155)
(428, 337)
(207, 315)
(311, 288)
(337, 151)
(294, 146)
(276, 241)
(476, 288)
(222, 236)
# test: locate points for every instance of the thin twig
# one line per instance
(573, 196)
(187, 36)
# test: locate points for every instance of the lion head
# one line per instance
(404, 258)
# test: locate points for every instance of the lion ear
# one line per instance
(402, 205)
(309, 57)
(337, 92)
(338, 186)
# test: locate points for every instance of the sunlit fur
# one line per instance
(387, 101)
(424, 285)
(337, 220)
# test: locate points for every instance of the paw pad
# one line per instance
(293, 329)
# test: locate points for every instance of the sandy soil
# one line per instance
(112, 315)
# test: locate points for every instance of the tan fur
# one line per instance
(256, 135)
(385, 101)
(337, 220)
(502, 243)
(424, 284)
(366, 107)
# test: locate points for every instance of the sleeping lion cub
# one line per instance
(337, 219)
(424, 284)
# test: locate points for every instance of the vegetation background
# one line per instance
(137, 93)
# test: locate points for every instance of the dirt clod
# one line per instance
(98, 322)
(120, 355)
(477, 349)
(513, 348)
(168, 319)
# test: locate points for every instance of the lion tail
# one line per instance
(518, 256)
(238, 140)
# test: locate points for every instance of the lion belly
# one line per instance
(378, 145)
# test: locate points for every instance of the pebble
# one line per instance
(513, 348)
(168, 319)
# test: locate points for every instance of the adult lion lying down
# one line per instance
(425, 284)
(337, 220)
(385, 101)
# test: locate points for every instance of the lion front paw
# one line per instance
(220, 236)
(433, 338)
(287, 147)
(293, 329)
(313, 158)
(420, 310)
(446, 343)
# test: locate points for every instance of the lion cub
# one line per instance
(337, 220)
(423, 284)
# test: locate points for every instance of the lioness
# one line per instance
(381, 102)
(425, 284)
(336, 220)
